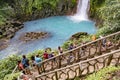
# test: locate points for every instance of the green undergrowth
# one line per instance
(8, 64)
(100, 75)
(5, 13)
(107, 12)
(33, 9)
(12, 76)
(107, 15)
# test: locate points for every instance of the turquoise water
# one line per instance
(60, 28)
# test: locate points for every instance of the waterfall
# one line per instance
(82, 9)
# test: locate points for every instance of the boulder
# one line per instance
(78, 35)
(29, 36)
(3, 44)
(8, 30)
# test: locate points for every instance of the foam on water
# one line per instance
(82, 10)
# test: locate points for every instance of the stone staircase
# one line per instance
(88, 56)
(80, 53)
(82, 68)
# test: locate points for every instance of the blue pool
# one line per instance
(59, 27)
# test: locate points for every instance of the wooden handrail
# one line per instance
(15, 69)
(81, 46)
(75, 49)
(79, 63)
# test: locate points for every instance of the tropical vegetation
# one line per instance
(101, 74)
(105, 12)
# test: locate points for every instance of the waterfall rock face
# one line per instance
(82, 9)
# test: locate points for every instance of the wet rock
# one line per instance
(29, 36)
(78, 35)
(8, 30)
(4, 44)
(16, 23)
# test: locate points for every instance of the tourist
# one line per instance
(32, 60)
(20, 65)
(37, 59)
(60, 50)
(104, 44)
(71, 54)
(23, 76)
(25, 61)
(74, 44)
(93, 38)
(45, 55)
(51, 54)
(103, 41)
(71, 46)
(108, 43)
(37, 62)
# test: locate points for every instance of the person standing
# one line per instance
(60, 50)
(38, 59)
(93, 38)
(20, 65)
(25, 61)
(45, 55)
(37, 62)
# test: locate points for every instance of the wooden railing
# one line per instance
(83, 52)
(83, 67)
(80, 53)
(15, 69)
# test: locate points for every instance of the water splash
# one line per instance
(82, 9)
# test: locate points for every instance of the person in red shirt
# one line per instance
(20, 65)
(45, 55)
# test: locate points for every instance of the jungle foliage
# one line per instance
(107, 15)
(107, 12)
(100, 75)
(32, 9)
(7, 65)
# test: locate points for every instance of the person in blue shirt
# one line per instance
(38, 59)
(25, 61)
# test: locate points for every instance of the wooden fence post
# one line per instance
(109, 60)
(56, 76)
(100, 47)
(43, 68)
(59, 62)
(38, 68)
(77, 55)
(35, 78)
